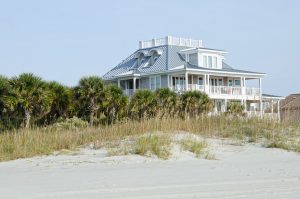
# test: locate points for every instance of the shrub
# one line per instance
(73, 123)
(235, 109)
(196, 147)
(153, 145)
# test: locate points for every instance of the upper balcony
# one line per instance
(169, 40)
(222, 92)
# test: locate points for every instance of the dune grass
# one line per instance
(194, 146)
(43, 141)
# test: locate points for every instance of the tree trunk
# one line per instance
(27, 118)
(92, 111)
(91, 118)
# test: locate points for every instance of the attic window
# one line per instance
(154, 58)
(141, 59)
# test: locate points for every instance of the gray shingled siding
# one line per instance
(164, 81)
(144, 83)
(193, 58)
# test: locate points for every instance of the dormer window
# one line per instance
(210, 61)
(140, 58)
(154, 56)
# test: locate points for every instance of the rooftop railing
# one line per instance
(169, 40)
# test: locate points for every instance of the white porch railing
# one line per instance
(128, 92)
(253, 91)
(195, 87)
(178, 88)
(228, 90)
(220, 90)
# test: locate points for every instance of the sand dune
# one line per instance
(247, 171)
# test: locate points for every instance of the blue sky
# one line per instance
(65, 40)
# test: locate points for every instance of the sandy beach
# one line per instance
(247, 171)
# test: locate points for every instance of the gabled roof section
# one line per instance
(131, 63)
(170, 58)
(226, 68)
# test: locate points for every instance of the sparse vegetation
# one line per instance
(38, 141)
(153, 145)
(39, 117)
(194, 146)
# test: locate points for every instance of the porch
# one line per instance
(129, 86)
(217, 87)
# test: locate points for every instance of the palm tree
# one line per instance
(194, 102)
(143, 103)
(61, 101)
(166, 101)
(90, 93)
(30, 94)
(115, 103)
(5, 90)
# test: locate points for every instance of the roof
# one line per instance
(268, 95)
(169, 59)
(291, 101)
(272, 97)
(225, 68)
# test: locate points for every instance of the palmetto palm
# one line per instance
(30, 94)
(166, 101)
(195, 102)
(61, 100)
(5, 95)
(143, 103)
(90, 93)
(115, 103)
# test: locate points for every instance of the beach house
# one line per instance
(183, 64)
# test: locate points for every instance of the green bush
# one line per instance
(73, 123)
(235, 109)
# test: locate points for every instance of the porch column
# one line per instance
(208, 83)
(134, 84)
(171, 82)
(204, 83)
(272, 103)
(278, 110)
(260, 99)
(186, 80)
(168, 81)
(119, 85)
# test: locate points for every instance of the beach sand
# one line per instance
(247, 171)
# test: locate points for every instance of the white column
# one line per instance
(186, 81)
(272, 103)
(208, 86)
(204, 83)
(171, 82)
(260, 99)
(168, 81)
(278, 109)
(119, 86)
(134, 84)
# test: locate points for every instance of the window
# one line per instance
(155, 82)
(215, 62)
(230, 82)
(200, 81)
(220, 82)
(237, 82)
(205, 61)
(153, 58)
(210, 61)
